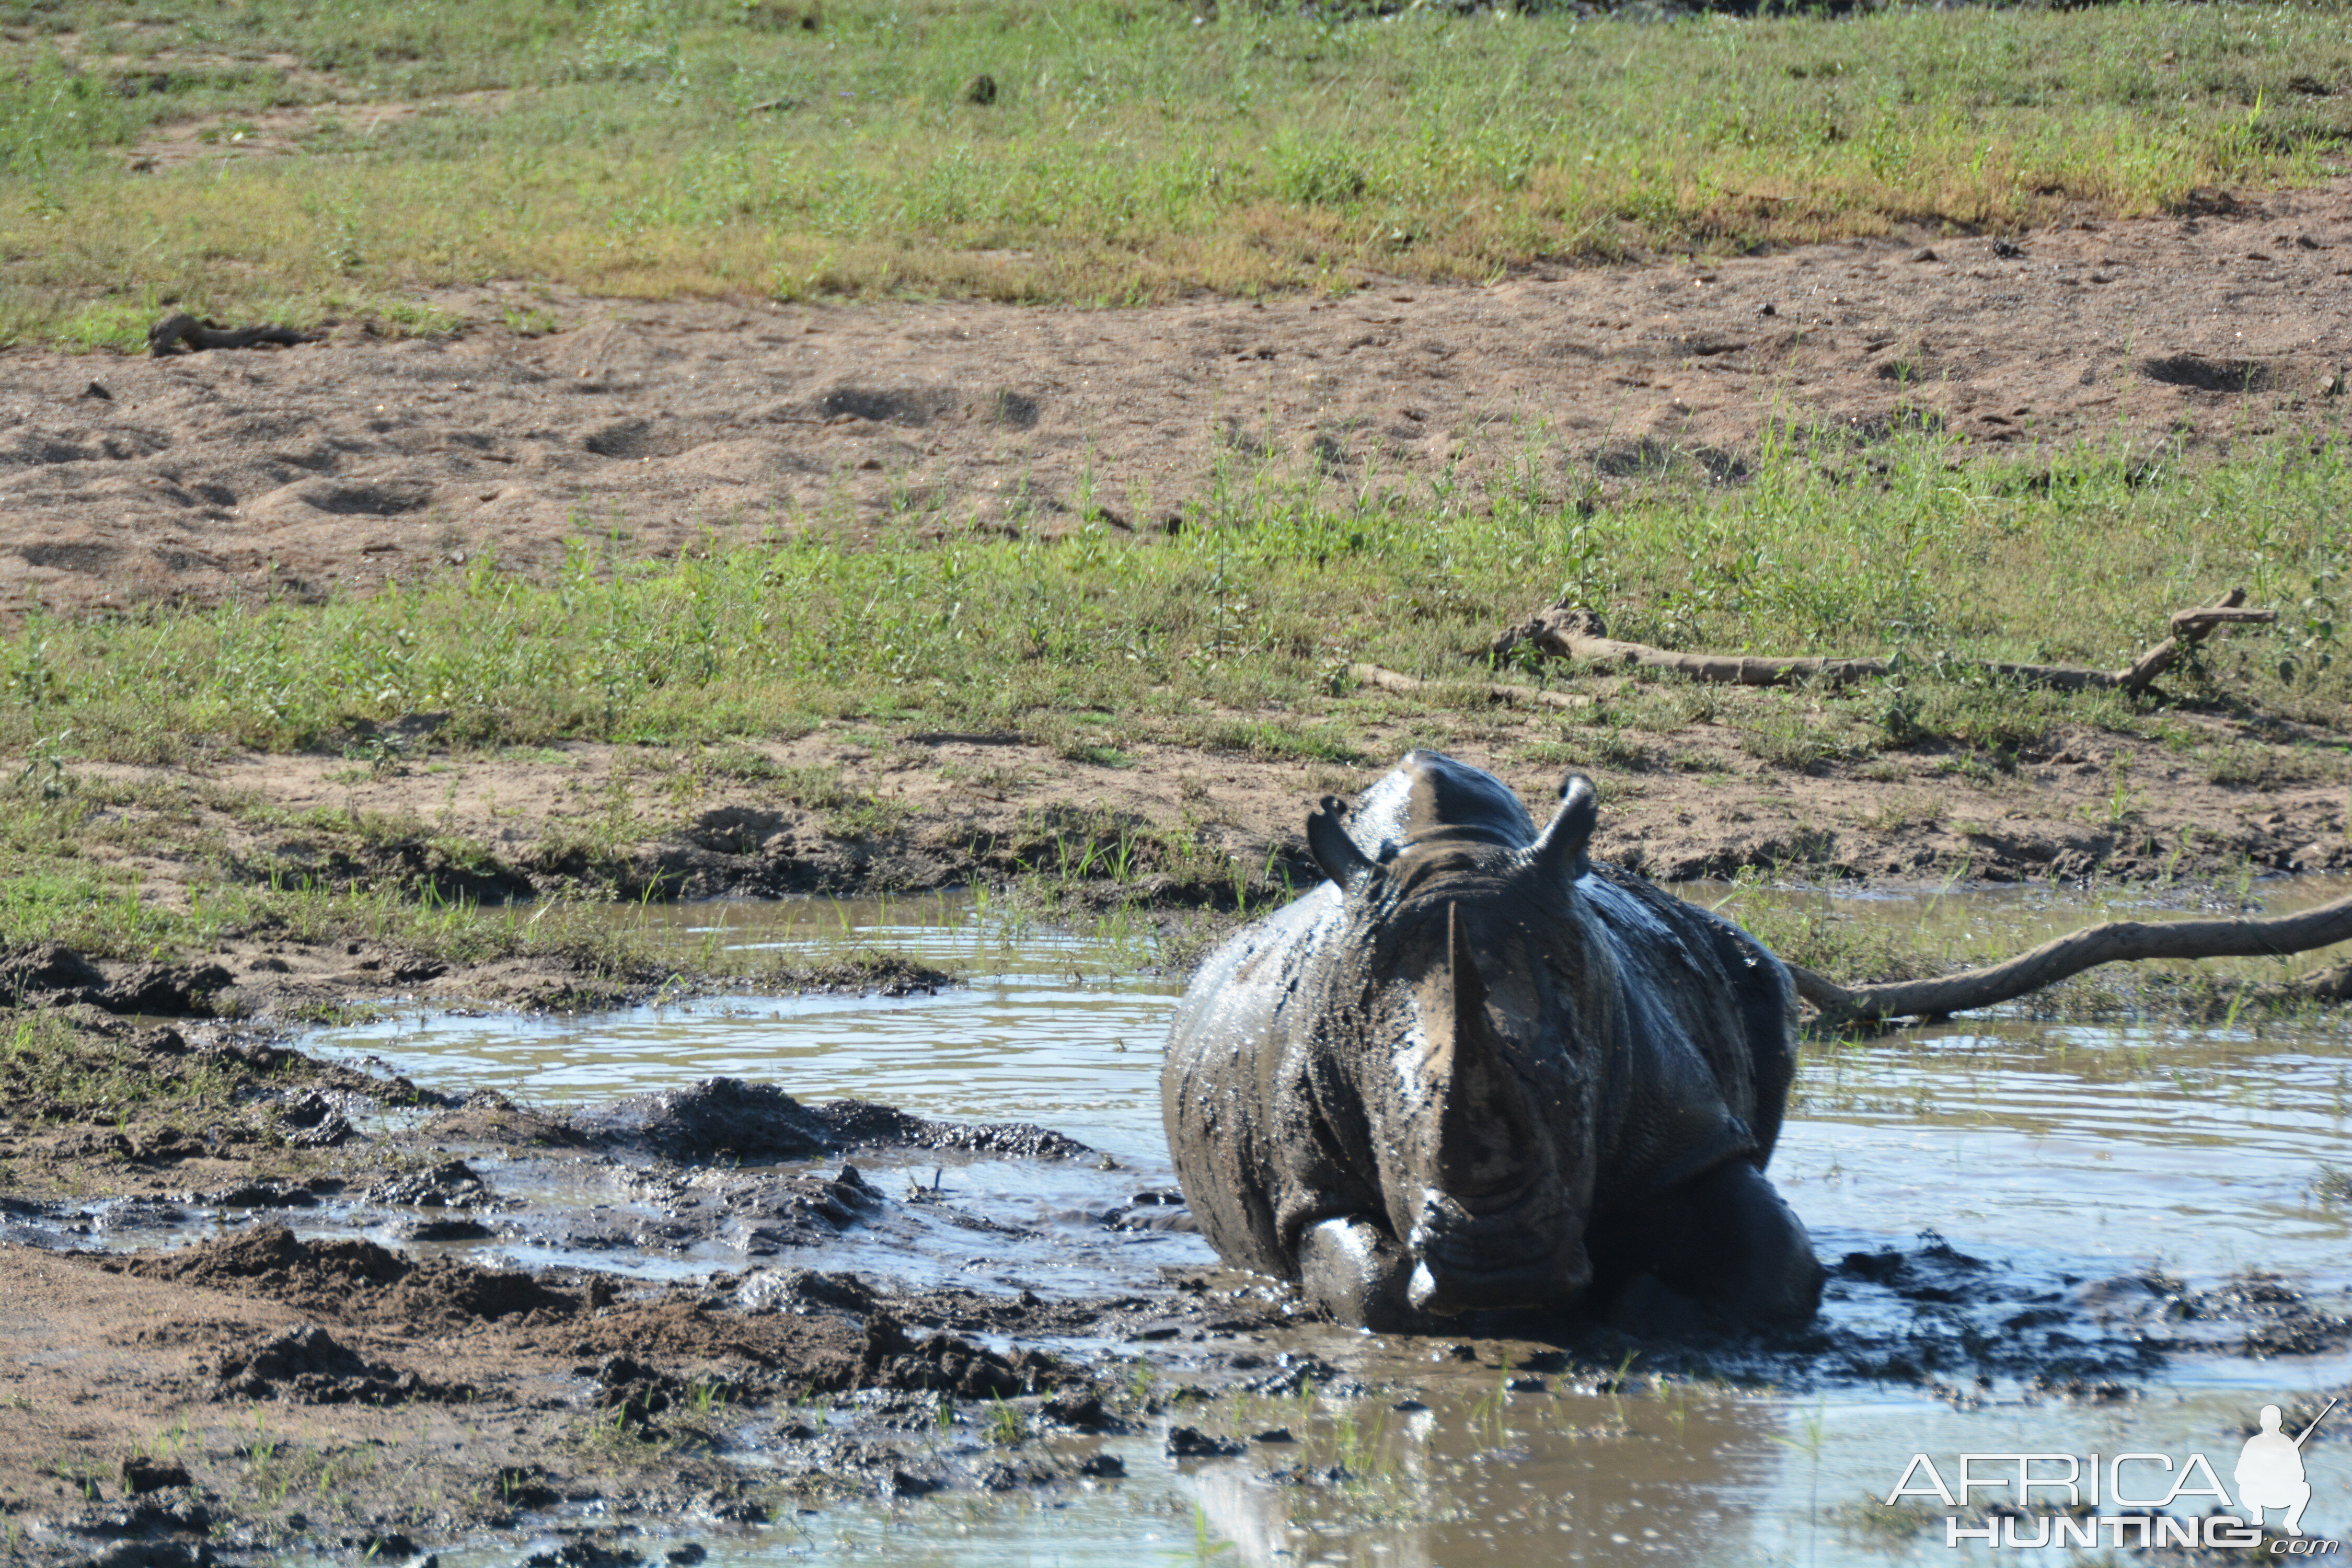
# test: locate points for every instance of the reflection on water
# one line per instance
(2074, 1150)
(1051, 1027)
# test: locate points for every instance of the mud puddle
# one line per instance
(2050, 1239)
(2054, 1238)
(1051, 1027)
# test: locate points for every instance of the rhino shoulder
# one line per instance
(1685, 953)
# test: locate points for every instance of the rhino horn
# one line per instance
(1562, 849)
(1338, 854)
(1483, 1132)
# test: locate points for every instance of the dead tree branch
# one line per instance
(1496, 691)
(1562, 632)
(2115, 941)
(166, 336)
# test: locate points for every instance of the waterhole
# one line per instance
(2006, 1202)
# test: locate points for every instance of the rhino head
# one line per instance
(1464, 1036)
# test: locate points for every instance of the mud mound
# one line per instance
(802, 1291)
(349, 1281)
(946, 1364)
(307, 1363)
(864, 1122)
(728, 1119)
(52, 973)
(2279, 1316)
(321, 1276)
(47, 968)
(719, 1119)
(447, 1291)
(451, 1184)
(819, 1352)
(830, 1351)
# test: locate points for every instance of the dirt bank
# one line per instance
(1186, 835)
(350, 462)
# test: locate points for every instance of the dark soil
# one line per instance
(516, 1398)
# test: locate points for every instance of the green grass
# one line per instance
(712, 148)
(54, 887)
(1101, 649)
(52, 1072)
(1097, 646)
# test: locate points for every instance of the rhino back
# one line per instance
(1221, 1086)
(1703, 1069)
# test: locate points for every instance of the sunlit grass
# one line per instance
(1235, 634)
(1125, 152)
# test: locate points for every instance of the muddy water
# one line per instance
(2051, 1158)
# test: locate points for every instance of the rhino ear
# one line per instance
(1336, 853)
(1562, 849)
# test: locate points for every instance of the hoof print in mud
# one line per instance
(56, 974)
(1081, 1411)
(632, 1393)
(141, 1475)
(312, 1119)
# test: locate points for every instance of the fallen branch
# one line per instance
(166, 336)
(1562, 632)
(1497, 691)
(2116, 942)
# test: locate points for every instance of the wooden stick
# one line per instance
(1563, 632)
(2115, 941)
(1496, 691)
(2191, 627)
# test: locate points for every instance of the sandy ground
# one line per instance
(348, 461)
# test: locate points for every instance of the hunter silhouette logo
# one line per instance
(2037, 1500)
(2269, 1471)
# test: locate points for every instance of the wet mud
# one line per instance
(265, 1302)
